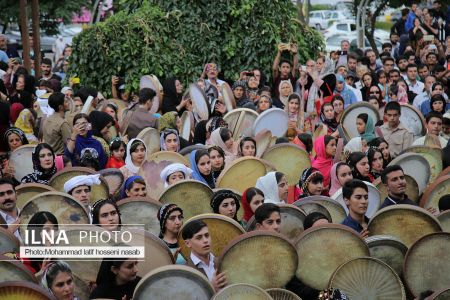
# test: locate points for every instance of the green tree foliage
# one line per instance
(177, 37)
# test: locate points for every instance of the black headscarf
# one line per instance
(221, 195)
(199, 132)
(40, 175)
(352, 160)
(17, 131)
(99, 120)
(171, 98)
(331, 123)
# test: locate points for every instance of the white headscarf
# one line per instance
(354, 145)
(269, 186)
(172, 168)
(128, 161)
(76, 181)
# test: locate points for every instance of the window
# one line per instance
(342, 27)
(352, 27)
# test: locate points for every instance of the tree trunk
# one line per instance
(36, 37)
(370, 32)
(300, 15)
(306, 5)
(24, 34)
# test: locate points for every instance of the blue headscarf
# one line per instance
(346, 93)
(208, 180)
(127, 184)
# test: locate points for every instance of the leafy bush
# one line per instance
(177, 37)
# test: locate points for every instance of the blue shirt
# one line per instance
(353, 224)
(3, 56)
(391, 201)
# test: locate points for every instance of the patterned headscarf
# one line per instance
(40, 175)
(221, 195)
(163, 136)
(306, 177)
(164, 212)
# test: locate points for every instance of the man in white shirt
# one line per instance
(434, 127)
(426, 94)
(414, 85)
(8, 209)
(197, 239)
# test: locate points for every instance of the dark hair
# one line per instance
(55, 100)
(136, 180)
(278, 176)
(89, 160)
(263, 89)
(54, 269)
(388, 59)
(247, 139)
(264, 211)
(6, 181)
(371, 155)
(328, 139)
(313, 218)
(421, 66)
(307, 140)
(350, 186)
(96, 210)
(46, 61)
(191, 228)
(352, 160)
(429, 54)
(433, 114)
(135, 144)
(285, 61)
(115, 145)
(200, 153)
(363, 117)
(225, 134)
(218, 149)
(281, 140)
(384, 45)
(252, 192)
(38, 220)
(337, 98)
(388, 170)
(393, 105)
(411, 66)
(85, 92)
(145, 95)
(105, 275)
(294, 96)
(444, 203)
(80, 116)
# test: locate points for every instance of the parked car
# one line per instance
(14, 37)
(319, 19)
(349, 27)
(333, 43)
(336, 15)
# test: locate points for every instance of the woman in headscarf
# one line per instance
(106, 214)
(25, 89)
(225, 202)
(340, 174)
(376, 161)
(14, 138)
(285, 89)
(311, 182)
(264, 103)
(365, 127)
(173, 94)
(252, 198)
(136, 154)
(274, 186)
(222, 137)
(381, 144)
(293, 110)
(217, 156)
(169, 140)
(325, 148)
(359, 164)
(59, 281)
(134, 186)
(201, 133)
(324, 82)
(170, 217)
(43, 164)
(25, 122)
(101, 122)
(174, 173)
(368, 82)
(327, 116)
(240, 94)
(201, 167)
(82, 141)
(343, 90)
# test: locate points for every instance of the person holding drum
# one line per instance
(80, 187)
(340, 174)
(174, 173)
(217, 156)
(225, 202)
(356, 197)
(13, 139)
(381, 144)
(325, 148)
(58, 279)
(134, 186)
(365, 127)
(136, 153)
(43, 164)
(264, 103)
(170, 218)
(198, 240)
(106, 214)
(252, 198)
(315, 219)
(434, 126)
(328, 119)
(274, 185)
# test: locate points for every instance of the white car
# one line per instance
(333, 43)
(347, 27)
(319, 19)
(338, 16)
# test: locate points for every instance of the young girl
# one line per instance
(365, 127)
(340, 174)
(117, 147)
(383, 85)
(252, 198)
(201, 167)
(217, 156)
(226, 203)
(274, 185)
(311, 183)
(359, 164)
(375, 157)
(170, 218)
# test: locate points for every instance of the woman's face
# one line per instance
(248, 149)
(375, 103)
(367, 80)
(256, 202)
(238, 92)
(315, 188)
(330, 148)
(344, 174)
(171, 142)
(382, 78)
(285, 89)
(138, 155)
(108, 217)
(126, 272)
(178, 87)
(137, 190)
(20, 85)
(328, 111)
(216, 160)
(46, 159)
(14, 141)
(375, 91)
(119, 154)
(62, 286)
(363, 166)
(338, 106)
(174, 222)
(385, 150)
(175, 177)
(377, 162)
(293, 106)
(438, 106)
(253, 82)
(229, 143)
(263, 104)
(105, 131)
(283, 188)
(228, 207)
(83, 130)
(360, 126)
(204, 165)
(319, 64)
(111, 112)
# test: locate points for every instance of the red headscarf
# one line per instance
(321, 161)
(248, 213)
(16, 108)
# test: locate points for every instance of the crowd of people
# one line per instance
(72, 125)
